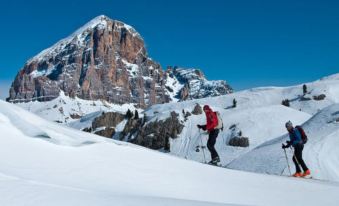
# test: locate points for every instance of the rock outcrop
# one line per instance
(108, 119)
(153, 134)
(105, 124)
(106, 132)
(319, 97)
(197, 110)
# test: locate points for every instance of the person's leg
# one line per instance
(211, 142)
(295, 160)
(299, 155)
(210, 146)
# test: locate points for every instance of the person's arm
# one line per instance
(288, 142)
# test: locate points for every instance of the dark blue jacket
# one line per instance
(295, 137)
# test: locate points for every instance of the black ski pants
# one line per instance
(212, 138)
(298, 158)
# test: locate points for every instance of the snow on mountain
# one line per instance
(43, 163)
(67, 110)
(79, 37)
(185, 84)
(321, 152)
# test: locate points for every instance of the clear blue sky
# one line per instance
(249, 43)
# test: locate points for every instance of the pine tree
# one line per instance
(304, 89)
(136, 114)
(129, 114)
(234, 103)
(286, 102)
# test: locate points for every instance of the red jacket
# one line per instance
(212, 119)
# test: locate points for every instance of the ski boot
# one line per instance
(214, 161)
(306, 174)
(297, 174)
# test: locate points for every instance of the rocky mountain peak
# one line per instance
(104, 59)
(79, 36)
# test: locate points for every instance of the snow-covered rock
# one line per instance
(186, 84)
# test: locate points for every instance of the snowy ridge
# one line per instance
(267, 96)
(331, 77)
(60, 167)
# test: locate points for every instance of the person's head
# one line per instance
(289, 126)
(206, 108)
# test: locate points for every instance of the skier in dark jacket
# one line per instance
(297, 143)
(212, 122)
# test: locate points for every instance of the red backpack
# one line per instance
(302, 133)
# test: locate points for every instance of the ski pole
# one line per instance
(288, 164)
(203, 149)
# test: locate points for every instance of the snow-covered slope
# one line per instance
(321, 152)
(259, 124)
(259, 115)
(43, 163)
(67, 110)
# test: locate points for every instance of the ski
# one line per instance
(307, 177)
(216, 165)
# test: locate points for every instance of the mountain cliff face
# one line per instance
(107, 60)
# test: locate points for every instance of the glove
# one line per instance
(203, 127)
(284, 146)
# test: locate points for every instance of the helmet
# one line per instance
(206, 107)
(288, 124)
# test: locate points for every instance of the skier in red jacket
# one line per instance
(212, 123)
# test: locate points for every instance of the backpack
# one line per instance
(302, 133)
(220, 124)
